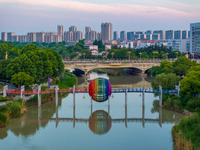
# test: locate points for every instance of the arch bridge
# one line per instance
(86, 66)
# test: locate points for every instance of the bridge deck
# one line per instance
(50, 91)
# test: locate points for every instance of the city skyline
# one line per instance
(22, 16)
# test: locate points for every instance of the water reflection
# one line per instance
(100, 122)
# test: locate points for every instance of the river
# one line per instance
(94, 126)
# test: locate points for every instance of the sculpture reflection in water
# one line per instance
(100, 122)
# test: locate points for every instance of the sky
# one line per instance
(22, 16)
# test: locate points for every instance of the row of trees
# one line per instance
(71, 52)
(29, 65)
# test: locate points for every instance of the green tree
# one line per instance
(22, 78)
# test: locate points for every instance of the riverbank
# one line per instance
(186, 134)
(16, 108)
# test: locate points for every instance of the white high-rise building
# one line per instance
(31, 37)
(195, 38)
(60, 31)
(106, 32)
(4, 36)
(9, 35)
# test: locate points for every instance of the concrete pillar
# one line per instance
(160, 117)
(74, 117)
(143, 118)
(39, 116)
(126, 90)
(4, 90)
(56, 117)
(22, 89)
(126, 124)
(39, 95)
(74, 95)
(56, 90)
(91, 105)
(160, 96)
(177, 89)
(143, 92)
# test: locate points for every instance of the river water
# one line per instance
(94, 126)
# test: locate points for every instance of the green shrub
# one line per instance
(193, 105)
(190, 128)
(15, 109)
(3, 99)
(44, 87)
(4, 108)
(3, 119)
(27, 88)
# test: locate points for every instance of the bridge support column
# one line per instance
(143, 92)
(56, 88)
(22, 89)
(177, 90)
(39, 116)
(39, 96)
(126, 96)
(143, 118)
(56, 117)
(74, 117)
(4, 90)
(108, 106)
(74, 95)
(160, 117)
(91, 106)
(160, 96)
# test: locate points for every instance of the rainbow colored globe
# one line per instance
(100, 89)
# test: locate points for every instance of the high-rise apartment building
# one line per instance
(31, 37)
(130, 35)
(92, 35)
(106, 31)
(22, 38)
(123, 35)
(149, 36)
(87, 33)
(4, 36)
(161, 32)
(156, 36)
(143, 36)
(170, 34)
(115, 35)
(195, 37)
(78, 36)
(40, 37)
(178, 34)
(73, 28)
(98, 36)
(149, 32)
(60, 31)
(68, 36)
(15, 38)
(51, 37)
(185, 34)
(9, 35)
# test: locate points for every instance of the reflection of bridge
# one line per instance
(86, 66)
(75, 120)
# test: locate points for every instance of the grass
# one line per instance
(187, 133)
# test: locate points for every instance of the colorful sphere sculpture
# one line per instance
(100, 89)
(100, 122)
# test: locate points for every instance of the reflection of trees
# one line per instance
(167, 115)
(19, 126)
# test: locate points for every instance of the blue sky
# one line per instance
(23, 16)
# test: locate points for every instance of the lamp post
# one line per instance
(77, 54)
(167, 55)
(154, 55)
(140, 54)
(112, 54)
(129, 55)
(176, 54)
(84, 55)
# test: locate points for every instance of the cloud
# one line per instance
(111, 9)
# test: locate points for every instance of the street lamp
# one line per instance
(154, 55)
(112, 54)
(129, 55)
(140, 54)
(84, 55)
(176, 54)
(167, 55)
